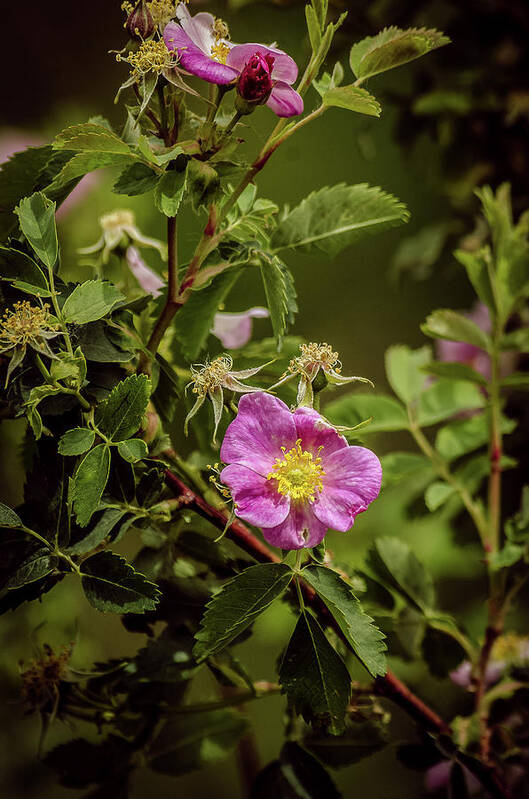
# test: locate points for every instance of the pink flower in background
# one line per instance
(508, 650)
(438, 777)
(264, 75)
(292, 474)
(149, 280)
(468, 354)
(235, 329)
(14, 141)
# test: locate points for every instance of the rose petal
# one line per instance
(351, 482)
(192, 58)
(262, 426)
(284, 68)
(285, 101)
(199, 27)
(300, 529)
(315, 432)
(235, 329)
(149, 280)
(257, 500)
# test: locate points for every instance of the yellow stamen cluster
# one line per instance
(127, 7)
(298, 474)
(312, 355)
(220, 50)
(24, 324)
(41, 680)
(211, 375)
(509, 647)
(151, 56)
(162, 11)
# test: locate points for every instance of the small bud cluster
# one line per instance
(41, 680)
(24, 325)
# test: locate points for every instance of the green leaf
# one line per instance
(441, 652)
(90, 301)
(97, 341)
(137, 178)
(195, 319)
(83, 163)
(112, 585)
(169, 192)
(237, 605)
(296, 775)
(18, 266)
(399, 465)
(104, 525)
(448, 324)
(280, 294)
(446, 398)
(391, 48)
(314, 677)
(331, 219)
(76, 441)
(455, 371)
(353, 98)
(133, 450)
(388, 414)
(122, 413)
(517, 381)
(8, 517)
(478, 266)
(89, 137)
(38, 565)
(89, 482)
(313, 27)
(404, 370)
(465, 435)
(396, 564)
(194, 740)
(36, 215)
(364, 637)
(437, 494)
(19, 174)
(507, 556)
(517, 340)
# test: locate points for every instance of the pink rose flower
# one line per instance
(235, 329)
(262, 74)
(292, 474)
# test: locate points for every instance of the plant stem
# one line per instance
(443, 471)
(58, 312)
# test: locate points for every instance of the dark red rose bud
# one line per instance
(255, 81)
(140, 24)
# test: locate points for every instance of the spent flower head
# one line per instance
(119, 231)
(41, 680)
(210, 380)
(151, 56)
(26, 325)
(313, 359)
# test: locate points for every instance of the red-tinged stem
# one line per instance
(388, 686)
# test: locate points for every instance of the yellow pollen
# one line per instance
(298, 474)
(509, 647)
(211, 375)
(151, 56)
(162, 11)
(25, 323)
(220, 51)
(315, 355)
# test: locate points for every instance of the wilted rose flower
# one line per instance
(119, 231)
(292, 474)
(235, 329)
(263, 74)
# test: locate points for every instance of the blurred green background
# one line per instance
(61, 73)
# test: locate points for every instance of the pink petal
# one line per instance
(285, 101)
(315, 432)
(351, 482)
(255, 437)
(199, 27)
(193, 59)
(256, 498)
(284, 69)
(149, 280)
(235, 329)
(300, 529)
